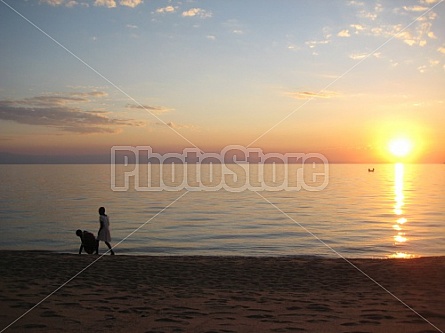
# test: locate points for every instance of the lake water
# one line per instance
(396, 211)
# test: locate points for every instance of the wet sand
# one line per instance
(219, 294)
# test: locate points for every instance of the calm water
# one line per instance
(396, 211)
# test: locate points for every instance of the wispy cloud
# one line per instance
(327, 39)
(432, 63)
(357, 28)
(313, 43)
(199, 12)
(66, 3)
(97, 3)
(52, 2)
(61, 100)
(94, 93)
(344, 33)
(168, 9)
(360, 56)
(312, 94)
(153, 109)
(234, 26)
(63, 112)
(372, 13)
(73, 3)
(417, 34)
(415, 8)
(356, 3)
(175, 125)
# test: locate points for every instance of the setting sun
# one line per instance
(400, 147)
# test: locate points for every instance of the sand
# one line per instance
(219, 294)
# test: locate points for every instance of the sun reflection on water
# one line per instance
(400, 238)
(403, 255)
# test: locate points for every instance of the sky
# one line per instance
(340, 78)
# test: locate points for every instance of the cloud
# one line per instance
(60, 100)
(367, 10)
(52, 2)
(344, 33)
(71, 3)
(234, 26)
(313, 43)
(357, 27)
(174, 125)
(168, 9)
(105, 3)
(422, 68)
(63, 113)
(431, 35)
(311, 95)
(356, 3)
(130, 3)
(66, 3)
(327, 35)
(360, 56)
(431, 64)
(191, 12)
(415, 8)
(97, 3)
(417, 35)
(411, 39)
(153, 109)
(202, 13)
(94, 93)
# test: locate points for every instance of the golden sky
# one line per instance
(341, 78)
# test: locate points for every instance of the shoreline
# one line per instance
(220, 293)
(278, 256)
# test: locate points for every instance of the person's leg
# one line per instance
(109, 246)
(97, 246)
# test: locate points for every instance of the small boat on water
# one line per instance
(371, 170)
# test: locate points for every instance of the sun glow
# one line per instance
(400, 147)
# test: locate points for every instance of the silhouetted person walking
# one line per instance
(104, 230)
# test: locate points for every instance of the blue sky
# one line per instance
(337, 77)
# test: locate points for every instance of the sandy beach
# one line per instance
(219, 294)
